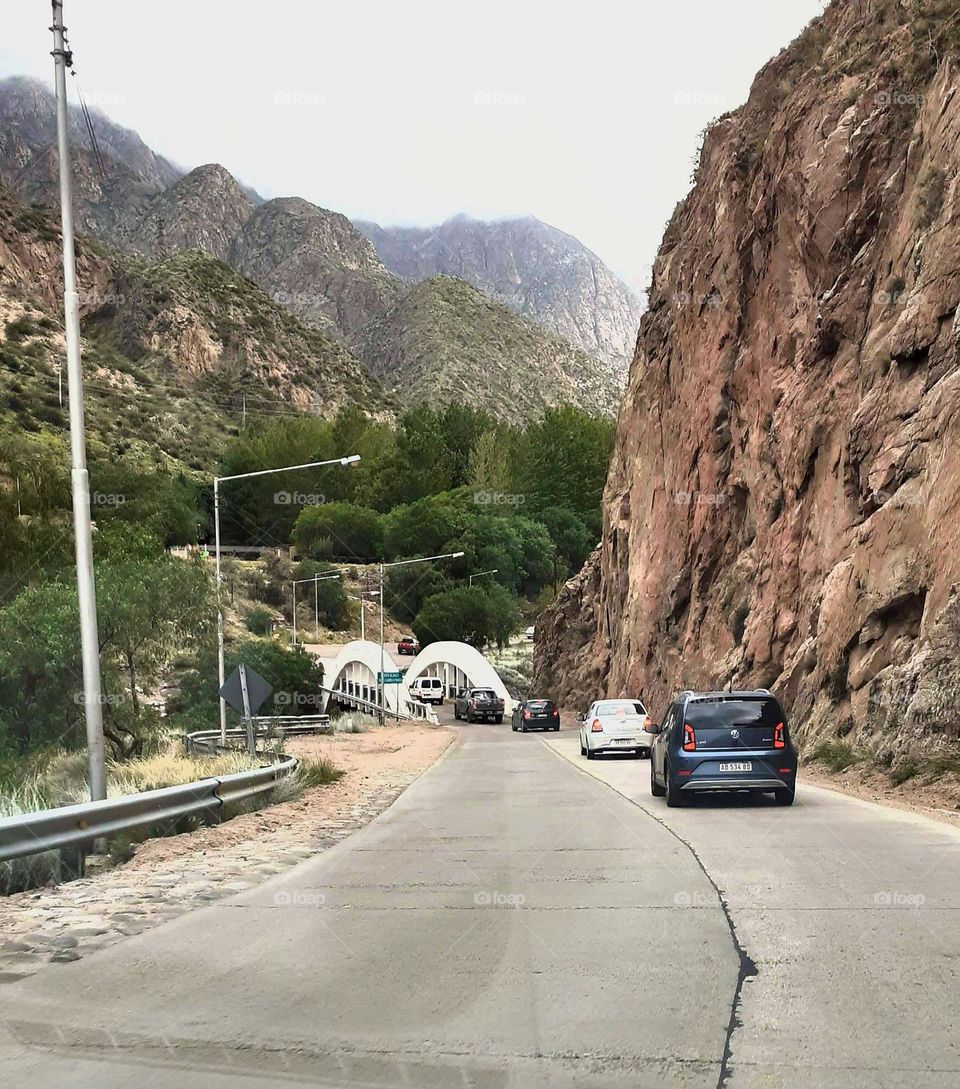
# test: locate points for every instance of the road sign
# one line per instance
(257, 691)
(389, 678)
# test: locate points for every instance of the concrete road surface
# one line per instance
(521, 919)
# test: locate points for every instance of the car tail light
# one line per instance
(689, 738)
(778, 741)
(556, 713)
(596, 727)
(526, 714)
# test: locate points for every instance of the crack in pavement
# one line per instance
(747, 967)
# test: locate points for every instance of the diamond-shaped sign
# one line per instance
(257, 690)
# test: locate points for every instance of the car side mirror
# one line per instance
(654, 728)
(581, 716)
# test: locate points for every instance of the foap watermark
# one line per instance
(299, 898)
(896, 97)
(685, 899)
(104, 100)
(499, 899)
(499, 98)
(105, 699)
(312, 99)
(96, 299)
(709, 299)
(107, 499)
(498, 499)
(299, 499)
(699, 98)
(298, 699)
(893, 898)
(695, 499)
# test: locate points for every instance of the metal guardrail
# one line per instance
(77, 825)
(264, 726)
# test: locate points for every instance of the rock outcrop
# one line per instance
(536, 270)
(783, 503)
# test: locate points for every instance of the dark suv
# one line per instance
(723, 741)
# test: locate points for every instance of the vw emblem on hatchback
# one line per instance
(734, 734)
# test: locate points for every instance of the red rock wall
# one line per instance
(783, 506)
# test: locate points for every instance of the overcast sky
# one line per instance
(584, 113)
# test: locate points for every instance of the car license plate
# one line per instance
(624, 741)
(737, 765)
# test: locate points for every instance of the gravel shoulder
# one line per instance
(169, 876)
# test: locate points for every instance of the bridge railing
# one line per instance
(413, 710)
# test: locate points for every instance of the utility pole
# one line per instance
(83, 535)
(383, 687)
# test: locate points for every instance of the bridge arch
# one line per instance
(354, 672)
(458, 665)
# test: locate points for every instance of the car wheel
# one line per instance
(591, 755)
(557, 729)
(655, 788)
(498, 719)
(523, 727)
(583, 748)
(675, 798)
(785, 797)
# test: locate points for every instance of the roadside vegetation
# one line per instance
(520, 500)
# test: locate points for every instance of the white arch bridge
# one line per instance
(352, 674)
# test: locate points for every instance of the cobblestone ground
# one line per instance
(168, 877)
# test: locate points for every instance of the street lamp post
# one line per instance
(383, 566)
(316, 599)
(478, 574)
(359, 597)
(217, 481)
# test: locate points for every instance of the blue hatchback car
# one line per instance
(723, 741)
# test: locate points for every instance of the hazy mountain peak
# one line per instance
(538, 271)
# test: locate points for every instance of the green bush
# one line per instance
(259, 620)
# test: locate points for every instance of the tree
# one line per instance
(41, 688)
(294, 675)
(467, 614)
(148, 609)
(342, 531)
(489, 469)
(571, 540)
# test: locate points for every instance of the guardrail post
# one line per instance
(71, 862)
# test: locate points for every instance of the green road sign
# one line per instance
(389, 678)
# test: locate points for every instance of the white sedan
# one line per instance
(615, 726)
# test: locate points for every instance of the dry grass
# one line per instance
(63, 781)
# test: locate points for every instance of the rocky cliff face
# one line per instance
(317, 264)
(536, 270)
(445, 341)
(205, 210)
(784, 497)
(173, 350)
(106, 201)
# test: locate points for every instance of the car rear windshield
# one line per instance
(621, 707)
(484, 694)
(723, 713)
(539, 705)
